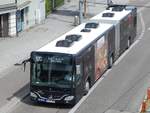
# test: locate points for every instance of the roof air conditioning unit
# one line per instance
(64, 43)
(108, 15)
(73, 37)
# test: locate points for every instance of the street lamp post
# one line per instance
(80, 11)
(85, 7)
(16, 19)
(109, 2)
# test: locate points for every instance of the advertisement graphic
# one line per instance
(100, 57)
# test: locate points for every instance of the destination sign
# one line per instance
(52, 59)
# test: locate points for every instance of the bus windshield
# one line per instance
(51, 70)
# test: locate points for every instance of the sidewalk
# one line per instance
(14, 86)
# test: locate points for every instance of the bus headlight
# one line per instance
(33, 95)
(69, 98)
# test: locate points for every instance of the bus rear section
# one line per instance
(124, 18)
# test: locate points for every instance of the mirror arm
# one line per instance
(23, 63)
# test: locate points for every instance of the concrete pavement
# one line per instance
(13, 86)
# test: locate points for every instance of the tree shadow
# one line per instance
(66, 12)
(61, 15)
(21, 93)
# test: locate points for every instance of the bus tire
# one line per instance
(87, 87)
(111, 61)
(129, 43)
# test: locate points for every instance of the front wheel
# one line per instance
(128, 43)
(110, 61)
(87, 87)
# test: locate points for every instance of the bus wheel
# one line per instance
(128, 43)
(87, 87)
(110, 61)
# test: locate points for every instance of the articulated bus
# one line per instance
(64, 70)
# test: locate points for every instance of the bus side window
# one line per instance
(79, 72)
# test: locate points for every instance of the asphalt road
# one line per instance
(122, 89)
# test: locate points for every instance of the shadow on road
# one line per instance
(28, 101)
(21, 93)
(66, 12)
(63, 15)
(47, 105)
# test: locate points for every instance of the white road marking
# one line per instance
(149, 28)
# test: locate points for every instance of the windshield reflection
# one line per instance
(50, 73)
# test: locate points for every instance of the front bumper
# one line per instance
(64, 99)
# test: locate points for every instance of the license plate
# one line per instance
(50, 101)
(42, 100)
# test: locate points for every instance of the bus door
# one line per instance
(79, 86)
(89, 67)
(132, 24)
(123, 34)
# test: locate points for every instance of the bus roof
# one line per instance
(77, 46)
(113, 16)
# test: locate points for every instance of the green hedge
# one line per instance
(49, 5)
(59, 3)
